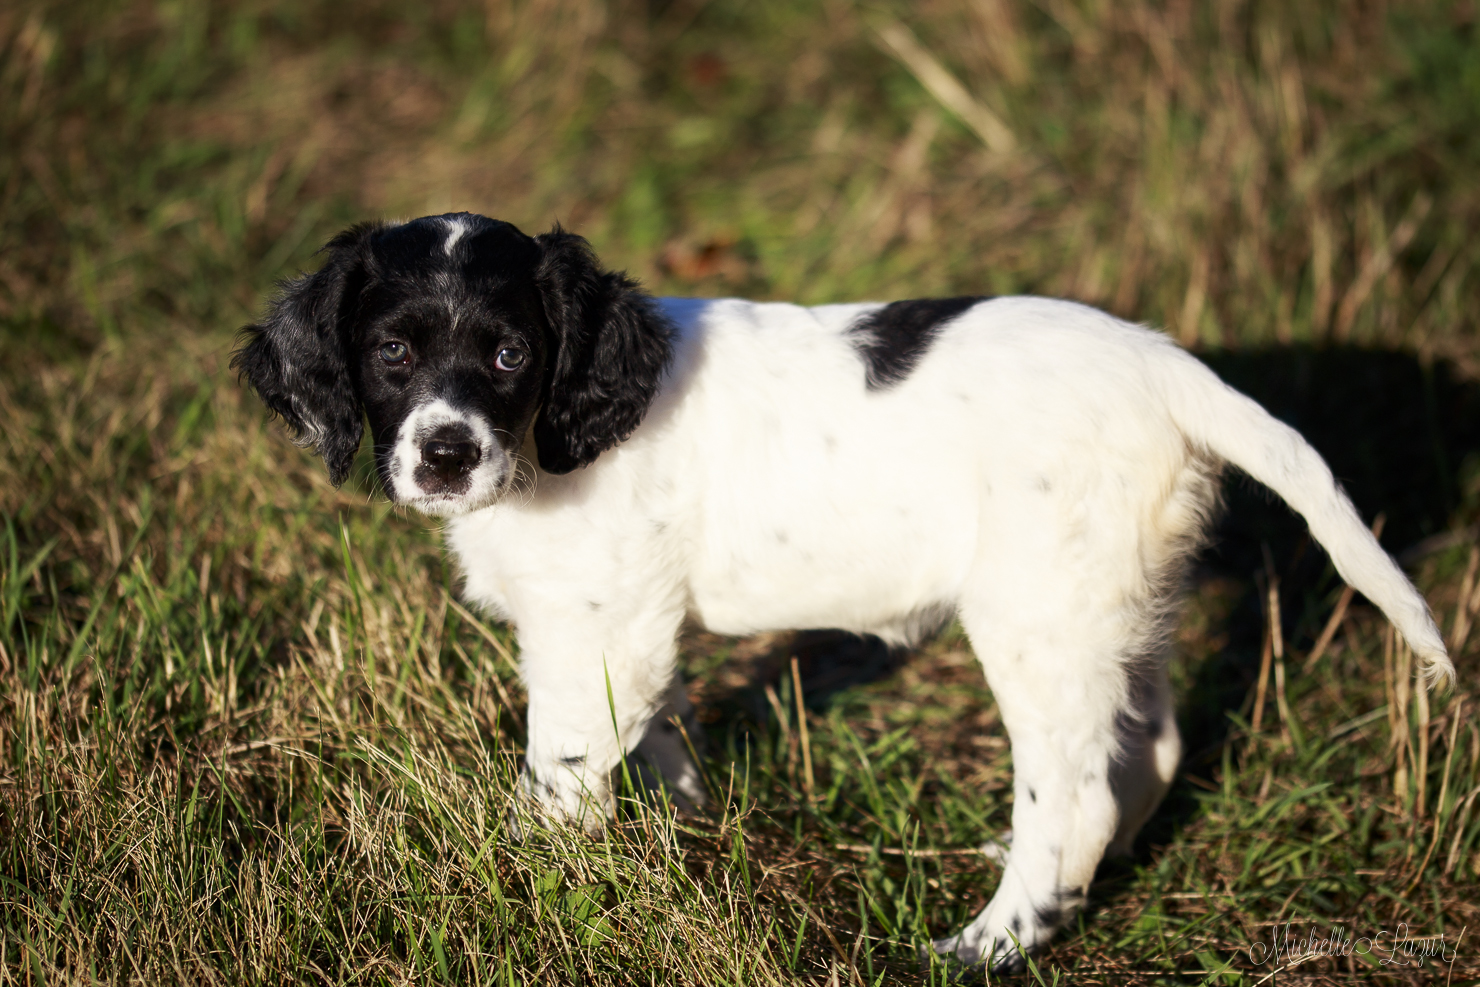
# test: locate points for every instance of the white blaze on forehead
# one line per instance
(455, 230)
(425, 419)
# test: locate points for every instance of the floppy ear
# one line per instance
(610, 349)
(297, 358)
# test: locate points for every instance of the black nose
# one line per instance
(450, 460)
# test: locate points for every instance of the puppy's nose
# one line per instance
(450, 459)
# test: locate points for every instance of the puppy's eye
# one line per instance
(509, 359)
(395, 353)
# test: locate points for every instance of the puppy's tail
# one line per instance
(1234, 428)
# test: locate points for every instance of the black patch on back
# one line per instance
(893, 339)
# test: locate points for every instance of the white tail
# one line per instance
(1235, 428)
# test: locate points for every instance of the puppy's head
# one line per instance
(453, 335)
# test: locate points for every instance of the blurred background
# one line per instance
(1242, 173)
(1290, 189)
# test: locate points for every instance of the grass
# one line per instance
(247, 737)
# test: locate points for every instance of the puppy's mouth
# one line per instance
(447, 462)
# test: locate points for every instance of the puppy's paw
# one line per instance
(963, 956)
(681, 789)
(935, 961)
(1001, 945)
(664, 759)
(540, 807)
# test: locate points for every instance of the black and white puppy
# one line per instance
(611, 463)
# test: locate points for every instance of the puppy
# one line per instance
(610, 463)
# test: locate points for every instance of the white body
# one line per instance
(1042, 474)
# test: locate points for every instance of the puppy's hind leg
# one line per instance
(1060, 713)
(1150, 748)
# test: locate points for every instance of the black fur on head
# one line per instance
(610, 349)
(454, 299)
(297, 358)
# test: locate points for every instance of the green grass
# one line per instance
(245, 737)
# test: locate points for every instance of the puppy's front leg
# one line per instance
(578, 732)
(567, 767)
(665, 751)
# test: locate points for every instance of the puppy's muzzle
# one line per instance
(448, 457)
